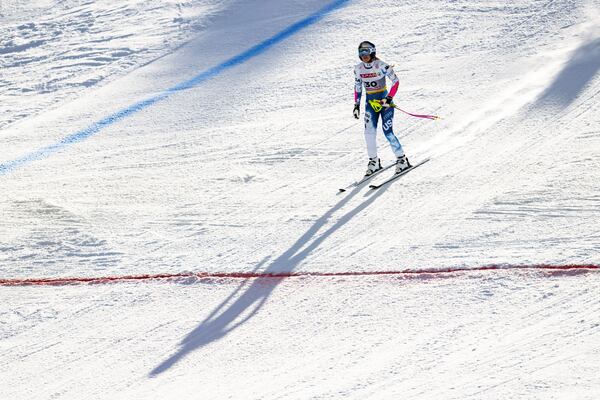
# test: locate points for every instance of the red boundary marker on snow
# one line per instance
(282, 275)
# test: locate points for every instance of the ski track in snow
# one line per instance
(474, 277)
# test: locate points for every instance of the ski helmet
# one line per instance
(366, 48)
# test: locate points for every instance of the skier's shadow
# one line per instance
(241, 305)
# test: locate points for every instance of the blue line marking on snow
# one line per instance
(195, 81)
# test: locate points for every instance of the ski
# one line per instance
(396, 176)
(366, 178)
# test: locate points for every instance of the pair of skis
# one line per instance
(385, 182)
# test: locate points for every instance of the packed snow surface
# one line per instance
(163, 137)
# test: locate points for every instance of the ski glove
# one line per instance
(387, 102)
(356, 111)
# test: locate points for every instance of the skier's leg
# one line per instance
(387, 116)
(388, 122)
(371, 138)
(371, 130)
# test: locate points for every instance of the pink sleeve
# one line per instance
(394, 89)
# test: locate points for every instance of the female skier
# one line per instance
(371, 72)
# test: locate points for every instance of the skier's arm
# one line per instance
(357, 94)
(358, 84)
(389, 72)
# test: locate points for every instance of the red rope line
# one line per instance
(282, 275)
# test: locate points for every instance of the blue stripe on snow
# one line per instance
(195, 81)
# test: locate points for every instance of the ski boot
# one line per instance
(402, 164)
(373, 166)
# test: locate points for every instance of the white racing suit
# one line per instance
(372, 76)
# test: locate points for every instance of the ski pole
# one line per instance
(433, 117)
(377, 107)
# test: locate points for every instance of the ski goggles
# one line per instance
(365, 51)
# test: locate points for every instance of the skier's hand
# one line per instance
(356, 111)
(387, 102)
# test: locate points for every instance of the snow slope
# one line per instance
(51, 50)
(224, 157)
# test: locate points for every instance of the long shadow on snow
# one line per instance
(581, 69)
(224, 318)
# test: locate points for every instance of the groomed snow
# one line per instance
(239, 173)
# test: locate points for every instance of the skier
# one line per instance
(371, 72)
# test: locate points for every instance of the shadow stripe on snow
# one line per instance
(202, 77)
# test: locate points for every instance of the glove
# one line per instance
(356, 111)
(387, 102)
